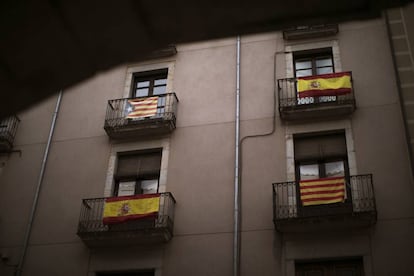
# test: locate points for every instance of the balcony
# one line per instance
(357, 211)
(152, 230)
(321, 103)
(8, 128)
(143, 116)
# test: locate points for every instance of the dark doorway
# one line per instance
(350, 267)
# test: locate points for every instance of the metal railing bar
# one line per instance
(116, 113)
(100, 198)
(8, 129)
(91, 215)
(285, 203)
(288, 95)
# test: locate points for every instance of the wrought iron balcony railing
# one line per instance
(8, 128)
(134, 117)
(293, 107)
(359, 206)
(93, 231)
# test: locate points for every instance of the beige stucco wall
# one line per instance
(18, 179)
(200, 165)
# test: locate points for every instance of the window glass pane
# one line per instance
(126, 188)
(160, 81)
(149, 186)
(159, 90)
(303, 64)
(309, 171)
(141, 92)
(304, 73)
(161, 101)
(141, 84)
(324, 70)
(334, 169)
(323, 62)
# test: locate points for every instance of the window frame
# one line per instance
(313, 55)
(138, 182)
(323, 209)
(151, 76)
(136, 178)
(321, 165)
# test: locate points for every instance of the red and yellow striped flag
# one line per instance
(143, 107)
(322, 191)
(124, 208)
(325, 85)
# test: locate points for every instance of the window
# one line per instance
(353, 267)
(137, 173)
(149, 83)
(312, 63)
(320, 156)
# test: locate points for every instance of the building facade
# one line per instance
(166, 127)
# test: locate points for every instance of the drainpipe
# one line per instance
(236, 234)
(19, 267)
(239, 160)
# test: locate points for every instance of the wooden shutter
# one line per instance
(139, 164)
(320, 146)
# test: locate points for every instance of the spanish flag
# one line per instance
(322, 191)
(143, 107)
(324, 85)
(125, 208)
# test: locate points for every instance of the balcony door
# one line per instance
(319, 157)
(151, 83)
(312, 63)
(137, 172)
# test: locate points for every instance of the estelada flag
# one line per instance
(143, 107)
(322, 191)
(324, 85)
(125, 208)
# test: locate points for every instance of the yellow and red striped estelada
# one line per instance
(322, 191)
(143, 107)
(125, 208)
(324, 85)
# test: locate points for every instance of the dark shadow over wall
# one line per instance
(50, 45)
